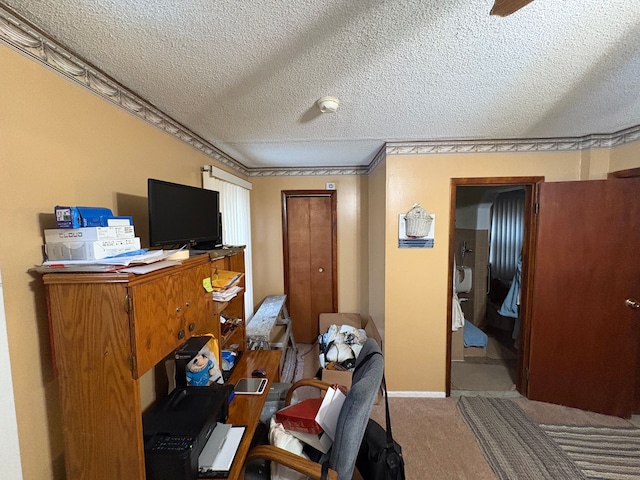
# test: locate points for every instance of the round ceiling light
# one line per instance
(328, 104)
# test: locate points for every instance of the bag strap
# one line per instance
(386, 406)
(386, 401)
(365, 359)
(325, 470)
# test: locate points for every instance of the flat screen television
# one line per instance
(183, 215)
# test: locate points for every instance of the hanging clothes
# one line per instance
(457, 315)
(511, 305)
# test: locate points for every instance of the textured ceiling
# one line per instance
(245, 75)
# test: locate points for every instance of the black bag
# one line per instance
(380, 456)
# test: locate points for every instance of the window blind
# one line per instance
(236, 220)
(507, 232)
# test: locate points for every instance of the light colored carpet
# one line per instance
(436, 442)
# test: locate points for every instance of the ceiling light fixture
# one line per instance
(328, 104)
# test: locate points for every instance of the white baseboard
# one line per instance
(410, 394)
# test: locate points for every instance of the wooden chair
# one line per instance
(341, 459)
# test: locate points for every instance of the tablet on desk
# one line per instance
(251, 386)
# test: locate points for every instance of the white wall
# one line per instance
(9, 446)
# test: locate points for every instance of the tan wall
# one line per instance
(266, 227)
(60, 144)
(594, 164)
(625, 157)
(416, 279)
(377, 225)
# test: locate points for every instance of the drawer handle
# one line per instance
(192, 327)
(178, 309)
(181, 334)
(188, 304)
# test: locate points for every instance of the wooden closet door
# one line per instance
(309, 223)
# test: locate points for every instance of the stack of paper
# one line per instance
(223, 279)
(226, 294)
(153, 259)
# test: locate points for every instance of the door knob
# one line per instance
(632, 303)
(321, 269)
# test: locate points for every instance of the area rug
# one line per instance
(600, 452)
(513, 445)
(293, 367)
(288, 366)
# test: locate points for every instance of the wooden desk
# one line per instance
(246, 409)
(108, 329)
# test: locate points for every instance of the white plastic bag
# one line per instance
(281, 438)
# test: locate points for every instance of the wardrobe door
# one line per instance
(309, 234)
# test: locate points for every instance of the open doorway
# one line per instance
(490, 251)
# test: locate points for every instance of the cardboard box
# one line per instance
(87, 234)
(355, 320)
(96, 250)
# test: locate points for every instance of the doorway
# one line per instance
(489, 353)
(310, 258)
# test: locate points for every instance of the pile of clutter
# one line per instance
(340, 346)
(89, 233)
(307, 428)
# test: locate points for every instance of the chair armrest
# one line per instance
(306, 382)
(288, 459)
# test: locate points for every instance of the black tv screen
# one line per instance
(180, 214)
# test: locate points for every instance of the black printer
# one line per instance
(177, 429)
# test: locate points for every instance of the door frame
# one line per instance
(332, 194)
(531, 187)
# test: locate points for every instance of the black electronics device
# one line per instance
(177, 429)
(181, 214)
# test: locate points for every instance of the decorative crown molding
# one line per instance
(516, 145)
(30, 41)
(306, 171)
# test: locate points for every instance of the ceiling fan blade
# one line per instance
(502, 8)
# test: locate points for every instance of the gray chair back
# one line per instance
(355, 411)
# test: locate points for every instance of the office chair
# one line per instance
(352, 422)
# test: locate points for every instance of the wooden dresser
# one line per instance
(108, 329)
